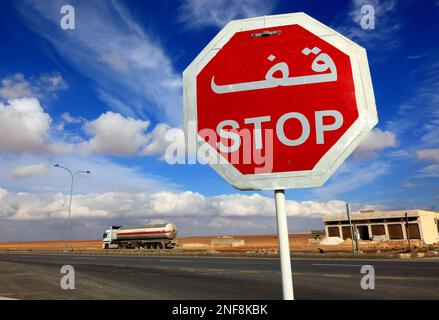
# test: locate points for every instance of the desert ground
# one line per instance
(299, 242)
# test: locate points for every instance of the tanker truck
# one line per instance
(148, 236)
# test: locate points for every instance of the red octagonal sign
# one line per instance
(278, 102)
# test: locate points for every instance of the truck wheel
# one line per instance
(159, 246)
(107, 246)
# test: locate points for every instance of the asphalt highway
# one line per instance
(129, 277)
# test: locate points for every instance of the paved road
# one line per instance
(116, 277)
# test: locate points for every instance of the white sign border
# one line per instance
(329, 163)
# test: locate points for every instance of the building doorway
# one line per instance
(363, 232)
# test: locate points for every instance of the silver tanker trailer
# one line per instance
(149, 236)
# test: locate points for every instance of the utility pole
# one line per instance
(72, 175)
(354, 246)
(407, 231)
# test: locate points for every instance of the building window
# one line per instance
(378, 230)
(414, 231)
(346, 232)
(333, 232)
(395, 232)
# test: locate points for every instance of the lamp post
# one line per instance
(72, 175)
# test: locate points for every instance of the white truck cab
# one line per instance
(108, 237)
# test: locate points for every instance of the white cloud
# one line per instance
(116, 61)
(428, 154)
(384, 35)
(24, 126)
(380, 7)
(114, 134)
(68, 118)
(350, 176)
(419, 114)
(114, 103)
(17, 86)
(398, 154)
(202, 13)
(376, 140)
(257, 205)
(50, 84)
(431, 171)
(172, 204)
(111, 48)
(106, 175)
(221, 223)
(417, 119)
(157, 143)
(243, 205)
(28, 171)
(159, 205)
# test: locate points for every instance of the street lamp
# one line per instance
(70, 202)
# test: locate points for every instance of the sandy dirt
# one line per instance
(54, 244)
(298, 242)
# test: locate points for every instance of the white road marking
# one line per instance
(337, 265)
(6, 298)
(337, 275)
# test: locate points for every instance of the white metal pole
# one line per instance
(348, 211)
(68, 216)
(284, 245)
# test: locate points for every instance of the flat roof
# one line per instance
(378, 214)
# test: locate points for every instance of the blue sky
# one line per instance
(102, 96)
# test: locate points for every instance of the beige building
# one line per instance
(386, 225)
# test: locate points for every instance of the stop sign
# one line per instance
(278, 102)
